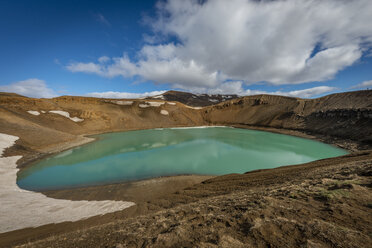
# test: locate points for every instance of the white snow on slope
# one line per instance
(143, 105)
(33, 112)
(151, 104)
(155, 104)
(66, 114)
(159, 97)
(123, 102)
(193, 107)
(164, 112)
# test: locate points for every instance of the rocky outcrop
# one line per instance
(346, 115)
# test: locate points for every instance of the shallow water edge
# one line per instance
(128, 156)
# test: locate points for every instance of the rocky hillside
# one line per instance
(345, 115)
(44, 124)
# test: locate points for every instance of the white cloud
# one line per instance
(269, 40)
(100, 18)
(31, 87)
(85, 67)
(115, 94)
(307, 93)
(160, 66)
(365, 84)
(236, 87)
(103, 59)
(279, 42)
(226, 88)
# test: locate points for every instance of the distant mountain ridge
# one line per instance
(194, 100)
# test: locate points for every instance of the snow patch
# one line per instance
(164, 112)
(22, 208)
(151, 104)
(171, 103)
(193, 107)
(123, 102)
(143, 105)
(155, 104)
(32, 112)
(66, 114)
(159, 97)
(5, 142)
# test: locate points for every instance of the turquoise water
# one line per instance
(134, 155)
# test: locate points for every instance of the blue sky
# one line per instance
(52, 48)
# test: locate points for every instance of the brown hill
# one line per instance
(325, 203)
(47, 130)
(346, 115)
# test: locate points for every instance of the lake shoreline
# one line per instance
(117, 155)
(346, 144)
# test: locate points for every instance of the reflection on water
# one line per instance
(135, 155)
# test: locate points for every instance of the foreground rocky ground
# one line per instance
(326, 203)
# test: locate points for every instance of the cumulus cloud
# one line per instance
(85, 67)
(307, 93)
(236, 88)
(365, 84)
(157, 66)
(116, 94)
(100, 18)
(103, 59)
(31, 87)
(220, 42)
